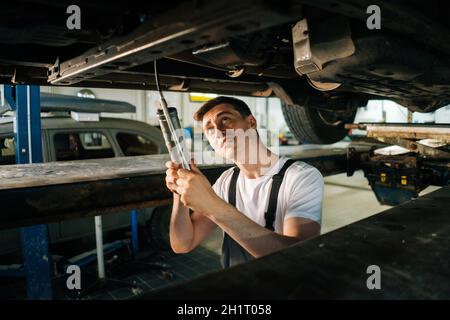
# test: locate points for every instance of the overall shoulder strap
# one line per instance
(232, 189)
(277, 179)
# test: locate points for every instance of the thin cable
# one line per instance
(157, 79)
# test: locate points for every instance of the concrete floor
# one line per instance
(349, 199)
(346, 200)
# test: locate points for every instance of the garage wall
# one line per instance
(389, 111)
(267, 111)
(147, 102)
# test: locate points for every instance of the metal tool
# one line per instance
(171, 129)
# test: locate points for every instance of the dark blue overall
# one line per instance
(232, 252)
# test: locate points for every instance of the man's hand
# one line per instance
(172, 175)
(196, 191)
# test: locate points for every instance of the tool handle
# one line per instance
(174, 137)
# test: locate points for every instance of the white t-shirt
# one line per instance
(300, 195)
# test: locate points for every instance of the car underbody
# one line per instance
(317, 54)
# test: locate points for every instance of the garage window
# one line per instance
(7, 155)
(82, 145)
(135, 145)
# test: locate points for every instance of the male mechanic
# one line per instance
(264, 204)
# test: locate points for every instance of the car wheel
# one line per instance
(317, 126)
(158, 228)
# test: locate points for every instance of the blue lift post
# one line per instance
(35, 245)
(134, 233)
(8, 103)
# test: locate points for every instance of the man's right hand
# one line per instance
(172, 176)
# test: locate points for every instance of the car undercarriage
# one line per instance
(319, 57)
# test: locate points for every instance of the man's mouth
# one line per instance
(222, 142)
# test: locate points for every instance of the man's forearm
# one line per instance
(181, 228)
(257, 240)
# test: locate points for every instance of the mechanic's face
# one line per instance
(224, 126)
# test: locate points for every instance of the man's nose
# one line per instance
(218, 133)
(217, 126)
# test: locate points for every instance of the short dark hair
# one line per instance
(237, 104)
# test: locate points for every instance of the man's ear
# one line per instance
(252, 121)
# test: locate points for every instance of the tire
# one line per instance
(158, 228)
(314, 126)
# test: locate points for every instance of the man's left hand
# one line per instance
(196, 191)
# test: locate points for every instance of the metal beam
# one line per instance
(59, 191)
(186, 26)
(409, 243)
(404, 130)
